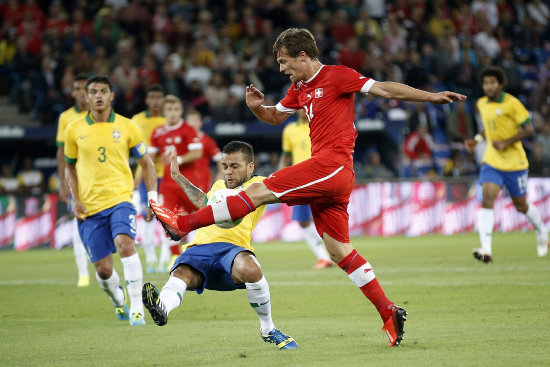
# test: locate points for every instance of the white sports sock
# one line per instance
(485, 223)
(533, 215)
(172, 293)
(111, 287)
(315, 242)
(259, 298)
(134, 281)
(80, 254)
(148, 241)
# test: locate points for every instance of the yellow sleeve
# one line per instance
(287, 144)
(71, 150)
(520, 113)
(217, 185)
(61, 127)
(135, 134)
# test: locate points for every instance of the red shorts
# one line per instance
(174, 198)
(323, 184)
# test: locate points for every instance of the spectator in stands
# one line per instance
(543, 138)
(351, 55)
(537, 166)
(459, 165)
(418, 150)
(8, 183)
(374, 167)
(271, 166)
(460, 123)
(31, 179)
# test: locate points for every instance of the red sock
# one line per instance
(175, 249)
(360, 272)
(232, 208)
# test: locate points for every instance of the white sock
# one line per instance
(80, 255)
(172, 293)
(315, 242)
(259, 298)
(134, 281)
(485, 223)
(533, 215)
(165, 253)
(112, 288)
(148, 241)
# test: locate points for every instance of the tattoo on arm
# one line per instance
(197, 197)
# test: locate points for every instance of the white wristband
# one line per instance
(478, 138)
(153, 195)
(179, 160)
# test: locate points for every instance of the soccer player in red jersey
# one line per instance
(175, 135)
(325, 181)
(210, 153)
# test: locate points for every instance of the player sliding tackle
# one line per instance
(325, 181)
(217, 258)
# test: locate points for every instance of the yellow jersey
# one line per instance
(148, 124)
(239, 235)
(296, 141)
(502, 120)
(101, 152)
(65, 119)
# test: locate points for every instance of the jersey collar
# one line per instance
(76, 108)
(314, 75)
(91, 121)
(176, 126)
(499, 99)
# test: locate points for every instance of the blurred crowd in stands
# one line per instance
(206, 51)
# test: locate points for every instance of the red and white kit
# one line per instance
(210, 152)
(182, 138)
(325, 181)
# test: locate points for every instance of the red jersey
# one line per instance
(182, 138)
(328, 101)
(210, 152)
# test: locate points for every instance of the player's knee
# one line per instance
(125, 245)
(104, 272)
(246, 269)
(521, 207)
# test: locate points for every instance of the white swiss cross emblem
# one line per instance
(177, 139)
(318, 92)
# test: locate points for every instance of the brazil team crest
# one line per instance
(116, 134)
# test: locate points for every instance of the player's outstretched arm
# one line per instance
(392, 90)
(269, 114)
(197, 197)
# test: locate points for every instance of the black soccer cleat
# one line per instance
(480, 255)
(151, 301)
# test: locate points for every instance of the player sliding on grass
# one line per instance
(325, 181)
(219, 258)
(506, 122)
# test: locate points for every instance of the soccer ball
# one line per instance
(219, 195)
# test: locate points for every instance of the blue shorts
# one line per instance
(301, 213)
(514, 181)
(99, 230)
(143, 196)
(214, 261)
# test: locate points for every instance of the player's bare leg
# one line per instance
(534, 217)
(486, 222)
(133, 274)
(246, 269)
(361, 274)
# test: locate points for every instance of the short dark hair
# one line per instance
(296, 40)
(81, 77)
(495, 72)
(155, 88)
(240, 146)
(99, 79)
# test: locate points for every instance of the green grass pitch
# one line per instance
(461, 312)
